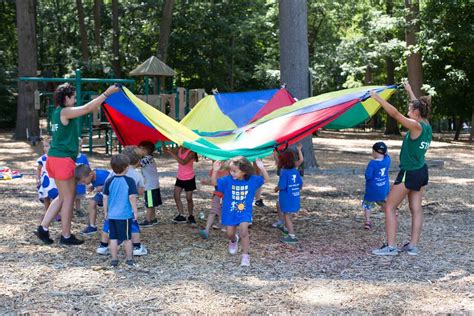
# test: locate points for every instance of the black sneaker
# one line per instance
(179, 219)
(43, 235)
(191, 220)
(114, 262)
(130, 262)
(71, 241)
(147, 223)
(259, 203)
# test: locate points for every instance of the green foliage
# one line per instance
(448, 49)
(234, 45)
(8, 56)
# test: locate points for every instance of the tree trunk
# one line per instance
(27, 116)
(165, 30)
(458, 126)
(97, 9)
(82, 31)
(471, 135)
(294, 59)
(115, 39)
(415, 71)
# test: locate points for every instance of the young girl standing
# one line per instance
(289, 186)
(185, 180)
(239, 190)
(413, 175)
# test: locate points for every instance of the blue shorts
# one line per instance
(99, 199)
(120, 229)
(135, 227)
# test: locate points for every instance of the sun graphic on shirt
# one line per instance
(241, 206)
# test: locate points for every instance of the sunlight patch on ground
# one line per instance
(451, 180)
(322, 296)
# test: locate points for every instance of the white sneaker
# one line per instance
(234, 246)
(140, 251)
(245, 261)
(102, 250)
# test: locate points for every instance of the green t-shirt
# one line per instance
(412, 154)
(65, 141)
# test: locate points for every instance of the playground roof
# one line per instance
(153, 67)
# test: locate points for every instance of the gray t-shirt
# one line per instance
(136, 176)
(150, 173)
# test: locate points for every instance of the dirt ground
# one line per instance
(330, 271)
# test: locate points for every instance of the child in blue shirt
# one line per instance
(239, 190)
(289, 186)
(80, 188)
(134, 155)
(96, 178)
(376, 181)
(120, 208)
(47, 190)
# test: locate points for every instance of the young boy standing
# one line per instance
(376, 181)
(133, 154)
(152, 183)
(120, 208)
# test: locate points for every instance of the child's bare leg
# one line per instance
(244, 237)
(289, 223)
(367, 215)
(189, 199)
(280, 213)
(92, 209)
(231, 230)
(150, 213)
(113, 245)
(104, 238)
(136, 238)
(210, 220)
(177, 199)
(128, 249)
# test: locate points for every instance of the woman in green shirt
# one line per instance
(61, 158)
(413, 174)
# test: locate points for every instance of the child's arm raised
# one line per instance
(190, 156)
(215, 167)
(260, 166)
(300, 160)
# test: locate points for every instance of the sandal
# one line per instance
(368, 225)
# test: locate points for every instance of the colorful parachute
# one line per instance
(251, 124)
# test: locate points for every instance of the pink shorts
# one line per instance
(60, 168)
(215, 205)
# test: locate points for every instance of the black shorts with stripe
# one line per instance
(413, 179)
(120, 229)
(153, 198)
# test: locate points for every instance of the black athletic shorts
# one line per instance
(120, 229)
(187, 185)
(153, 198)
(413, 179)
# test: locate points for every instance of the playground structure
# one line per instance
(176, 103)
